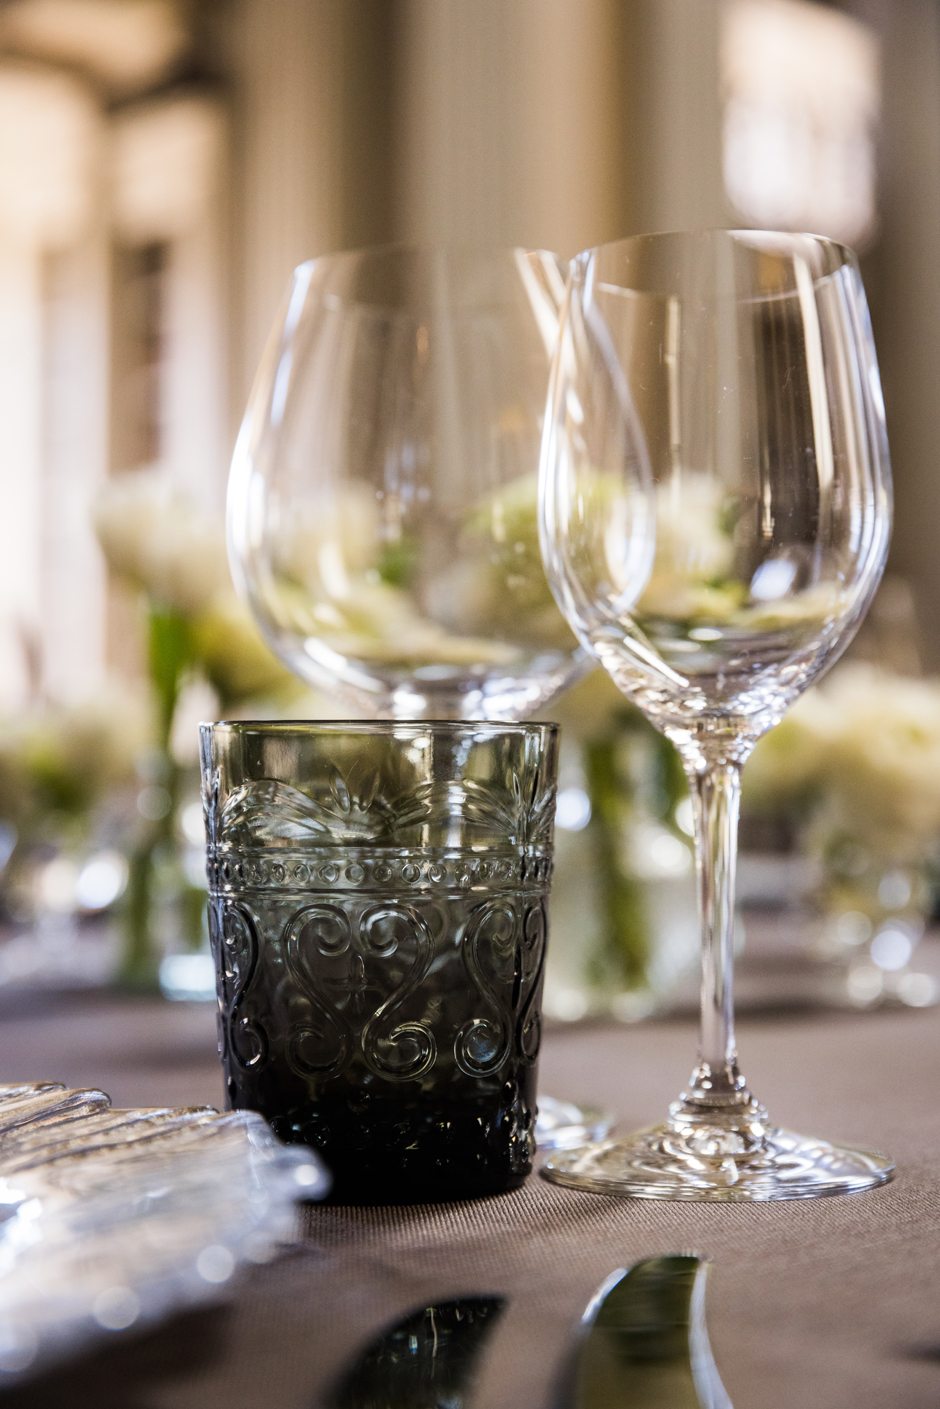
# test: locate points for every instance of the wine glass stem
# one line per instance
(715, 786)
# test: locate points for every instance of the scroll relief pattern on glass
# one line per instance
(360, 927)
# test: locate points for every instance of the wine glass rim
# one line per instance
(331, 279)
(443, 248)
(780, 242)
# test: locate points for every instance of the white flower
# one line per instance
(695, 577)
(868, 744)
(323, 543)
(373, 621)
(691, 577)
(883, 750)
(339, 578)
(152, 535)
(787, 765)
(65, 757)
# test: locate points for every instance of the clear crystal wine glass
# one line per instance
(382, 506)
(715, 512)
(383, 498)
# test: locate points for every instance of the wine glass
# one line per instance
(382, 507)
(715, 512)
(382, 503)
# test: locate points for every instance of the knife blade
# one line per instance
(425, 1361)
(644, 1342)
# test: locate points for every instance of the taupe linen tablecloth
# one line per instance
(827, 1304)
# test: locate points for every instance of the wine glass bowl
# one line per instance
(383, 496)
(734, 438)
(715, 512)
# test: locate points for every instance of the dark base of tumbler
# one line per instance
(413, 1152)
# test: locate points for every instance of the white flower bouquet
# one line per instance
(859, 755)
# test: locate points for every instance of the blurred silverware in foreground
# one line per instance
(425, 1361)
(645, 1344)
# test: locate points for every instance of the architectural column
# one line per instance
(312, 94)
(903, 277)
(50, 136)
(21, 367)
(675, 115)
(509, 116)
(75, 459)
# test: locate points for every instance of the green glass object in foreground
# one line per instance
(377, 900)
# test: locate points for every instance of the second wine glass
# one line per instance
(383, 498)
(382, 504)
(715, 515)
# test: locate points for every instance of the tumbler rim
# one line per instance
(491, 727)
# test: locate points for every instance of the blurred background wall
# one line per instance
(165, 163)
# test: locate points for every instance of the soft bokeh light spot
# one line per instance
(572, 809)
(215, 1264)
(101, 881)
(116, 1308)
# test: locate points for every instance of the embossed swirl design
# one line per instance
(482, 1044)
(529, 1021)
(238, 959)
(377, 910)
(323, 1047)
(320, 1047)
(407, 1050)
(356, 997)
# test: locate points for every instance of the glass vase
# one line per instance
(624, 921)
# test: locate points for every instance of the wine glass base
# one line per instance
(718, 1154)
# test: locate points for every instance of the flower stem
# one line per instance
(169, 659)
